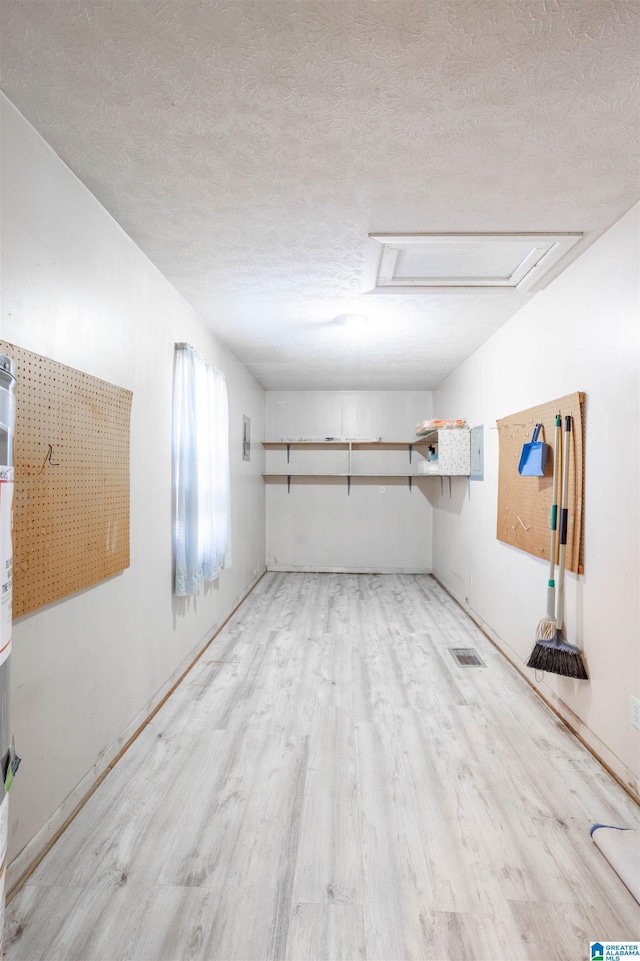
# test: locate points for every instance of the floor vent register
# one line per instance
(467, 657)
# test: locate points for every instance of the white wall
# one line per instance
(87, 670)
(581, 333)
(318, 526)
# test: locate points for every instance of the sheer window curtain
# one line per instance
(200, 471)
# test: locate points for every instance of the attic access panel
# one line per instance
(410, 263)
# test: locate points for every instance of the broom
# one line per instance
(547, 626)
(554, 654)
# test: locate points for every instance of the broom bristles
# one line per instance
(557, 656)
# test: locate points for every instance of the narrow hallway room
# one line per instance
(319, 480)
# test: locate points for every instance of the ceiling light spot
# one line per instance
(352, 322)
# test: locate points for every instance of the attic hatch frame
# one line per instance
(521, 273)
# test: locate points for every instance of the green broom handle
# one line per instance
(564, 521)
(553, 522)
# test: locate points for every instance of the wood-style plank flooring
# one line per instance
(328, 784)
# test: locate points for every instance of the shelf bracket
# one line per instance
(288, 483)
(442, 487)
(288, 452)
(449, 485)
(410, 481)
(410, 451)
(348, 485)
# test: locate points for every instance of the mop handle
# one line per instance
(564, 520)
(553, 521)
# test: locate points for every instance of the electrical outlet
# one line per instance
(635, 712)
(383, 490)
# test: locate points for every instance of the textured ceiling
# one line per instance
(250, 146)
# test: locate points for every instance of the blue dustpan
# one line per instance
(534, 456)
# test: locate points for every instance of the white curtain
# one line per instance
(200, 470)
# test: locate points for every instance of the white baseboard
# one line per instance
(33, 852)
(294, 569)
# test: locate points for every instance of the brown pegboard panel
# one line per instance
(71, 499)
(524, 503)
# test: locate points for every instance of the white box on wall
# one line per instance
(454, 451)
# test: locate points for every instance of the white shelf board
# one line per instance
(267, 444)
(287, 473)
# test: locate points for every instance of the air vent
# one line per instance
(467, 657)
(411, 263)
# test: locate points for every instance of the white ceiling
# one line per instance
(249, 147)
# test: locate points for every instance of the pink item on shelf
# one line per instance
(429, 425)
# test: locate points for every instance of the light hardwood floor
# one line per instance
(328, 784)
